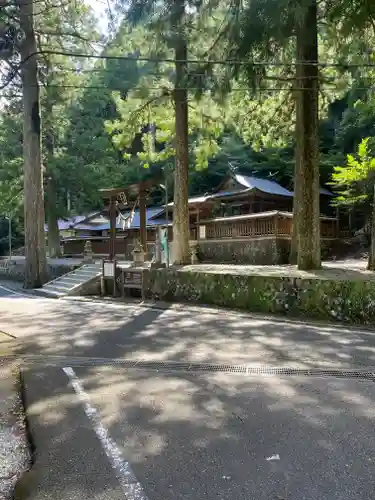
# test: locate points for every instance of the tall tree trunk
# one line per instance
(181, 233)
(371, 257)
(307, 164)
(54, 249)
(35, 249)
(297, 199)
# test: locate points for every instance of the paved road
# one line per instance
(109, 431)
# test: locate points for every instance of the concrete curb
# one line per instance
(25, 484)
(14, 444)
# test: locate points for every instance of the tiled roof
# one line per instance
(135, 223)
(86, 219)
(194, 199)
(76, 222)
(151, 213)
(86, 227)
(64, 224)
(264, 185)
(326, 191)
(72, 222)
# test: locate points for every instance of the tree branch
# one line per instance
(11, 76)
(73, 34)
(279, 78)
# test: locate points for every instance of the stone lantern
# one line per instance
(87, 252)
(138, 254)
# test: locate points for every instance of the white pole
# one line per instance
(10, 237)
(166, 214)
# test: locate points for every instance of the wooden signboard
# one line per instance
(132, 279)
(109, 269)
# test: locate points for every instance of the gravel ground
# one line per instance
(14, 449)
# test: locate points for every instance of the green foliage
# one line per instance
(16, 235)
(150, 104)
(11, 162)
(237, 115)
(355, 180)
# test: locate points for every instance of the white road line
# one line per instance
(14, 292)
(128, 482)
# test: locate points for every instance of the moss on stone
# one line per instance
(346, 301)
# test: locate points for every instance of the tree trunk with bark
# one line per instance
(54, 249)
(297, 160)
(35, 248)
(297, 183)
(181, 232)
(371, 257)
(306, 184)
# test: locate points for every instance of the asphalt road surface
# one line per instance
(129, 402)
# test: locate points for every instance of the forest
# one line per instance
(275, 88)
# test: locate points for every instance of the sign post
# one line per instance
(109, 272)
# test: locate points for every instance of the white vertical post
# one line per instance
(167, 218)
(10, 236)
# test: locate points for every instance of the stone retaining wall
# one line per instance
(346, 301)
(262, 250)
(16, 270)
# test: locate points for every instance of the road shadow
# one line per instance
(194, 435)
(212, 435)
(82, 329)
(205, 436)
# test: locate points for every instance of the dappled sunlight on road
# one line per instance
(318, 426)
(74, 328)
(203, 425)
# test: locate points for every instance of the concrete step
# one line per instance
(72, 279)
(50, 293)
(61, 286)
(83, 276)
(69, 282)
(84, 270)
(82, 279)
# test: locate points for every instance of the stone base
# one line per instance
(157, 265)
(140, 265)
(16, 271)
(262, 250)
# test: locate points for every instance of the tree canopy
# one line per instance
(108, 103)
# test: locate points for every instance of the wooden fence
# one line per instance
(260, 224)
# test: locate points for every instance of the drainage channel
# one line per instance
(185, 367)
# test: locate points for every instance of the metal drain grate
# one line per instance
(176, 367)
